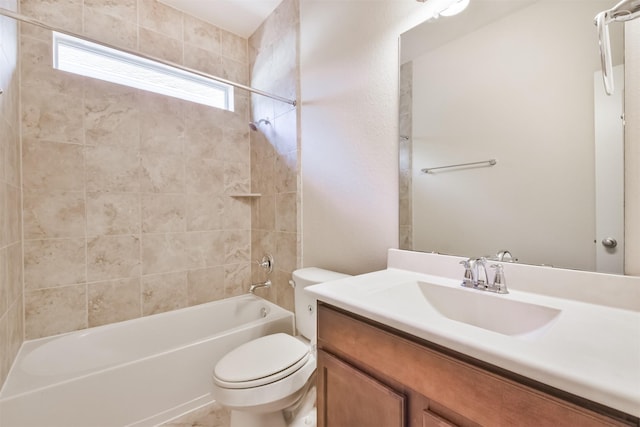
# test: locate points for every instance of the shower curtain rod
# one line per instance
(28, 20)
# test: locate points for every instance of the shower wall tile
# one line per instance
(164, 292)
(55, 166)
(202, 34)
(55, 310)
(113, 169)
(161, 18)
(36, 60)
(113, 213)
(200, 285)
(237, 246)
(65, 14)
(198, 58)
(111, 115)
(204, 176)
(237, 213)
(204, 212)
(160, 45)
(164, 252)
(53, 214)
(234, 47)
(124, 190)
(162, 124)
(110, 29)
(237, 278)
(113, 257)
(162, 173)
(114, 301)
(127, 10)
(273, 52)
(54, 262)
(286, 172)
(286, 212)
(163, 213)
(51, 115)
(11, 279)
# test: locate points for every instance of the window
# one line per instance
(100, 62)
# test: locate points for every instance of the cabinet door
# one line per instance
(348, 397)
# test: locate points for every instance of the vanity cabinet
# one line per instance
(371, 375)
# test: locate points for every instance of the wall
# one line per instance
(539, 198)
(632, 147)
(349, 129)
(126, 194)
(273, 52)
(405, 150)
(11, 294)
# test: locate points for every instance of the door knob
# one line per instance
(609, 242)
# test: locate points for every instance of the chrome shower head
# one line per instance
(254, 125)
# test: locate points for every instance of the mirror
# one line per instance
(518, 82)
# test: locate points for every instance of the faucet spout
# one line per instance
(255, 286)
(481, 276)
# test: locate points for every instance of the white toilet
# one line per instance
(268, 380)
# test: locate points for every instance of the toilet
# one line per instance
(268, 382)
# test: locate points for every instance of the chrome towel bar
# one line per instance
(490, 162)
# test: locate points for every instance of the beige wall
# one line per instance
(273, 50)
(349, 129)
(126, 194)
(11, 294)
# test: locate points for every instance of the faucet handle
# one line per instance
(468, 271)
(499, 281)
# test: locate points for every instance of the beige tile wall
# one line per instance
(273, 50)
(11, 294)
(405, 149)
(126, 193)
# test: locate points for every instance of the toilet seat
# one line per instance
(261, 361)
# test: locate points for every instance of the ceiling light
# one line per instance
(455, 8)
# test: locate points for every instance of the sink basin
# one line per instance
(497, 313)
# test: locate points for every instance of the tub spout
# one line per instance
(255, 286)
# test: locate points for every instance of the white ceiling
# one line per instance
(241, 17)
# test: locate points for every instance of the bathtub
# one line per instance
(140, 372)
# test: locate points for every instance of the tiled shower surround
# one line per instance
(11, 293)
(128, 196)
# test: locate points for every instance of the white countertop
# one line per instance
(590, 350)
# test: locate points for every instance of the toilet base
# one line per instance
(248, 419)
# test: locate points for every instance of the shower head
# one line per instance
(254, 125)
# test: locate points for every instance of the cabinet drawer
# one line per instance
(474, 393)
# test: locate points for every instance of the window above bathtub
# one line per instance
(89, 59)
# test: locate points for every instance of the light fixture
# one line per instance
(454, 8)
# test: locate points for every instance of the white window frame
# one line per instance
(94, 60)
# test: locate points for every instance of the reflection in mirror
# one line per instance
(519, 82)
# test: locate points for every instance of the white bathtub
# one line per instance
(140, 372)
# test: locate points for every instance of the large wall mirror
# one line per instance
(518, 82)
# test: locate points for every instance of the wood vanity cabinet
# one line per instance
(370, 375)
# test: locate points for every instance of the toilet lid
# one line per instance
(261, 361)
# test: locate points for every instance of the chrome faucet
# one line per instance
(476, 276)
(255, 286)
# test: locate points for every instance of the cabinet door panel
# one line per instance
(429, 419)
(348, 397)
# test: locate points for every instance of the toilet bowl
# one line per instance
(265, 382)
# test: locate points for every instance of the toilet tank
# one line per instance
(305, 304)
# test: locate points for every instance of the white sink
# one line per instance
(493, 312)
